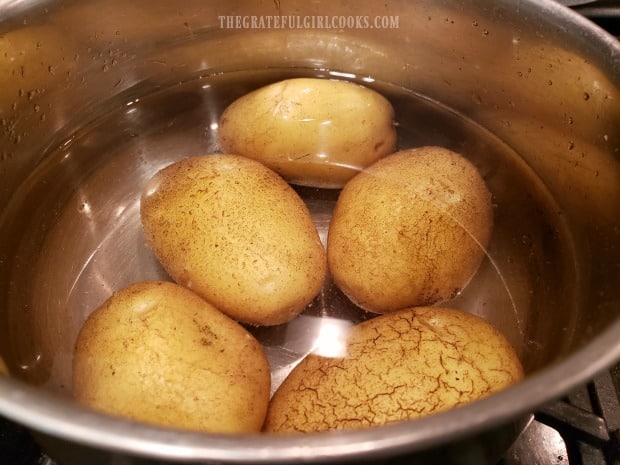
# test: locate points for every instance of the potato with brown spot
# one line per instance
(156, 352)
(237, 234)
(313, 132)
(399, 366)
(410, 230)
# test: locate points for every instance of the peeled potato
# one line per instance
(237, 234)
(313, 132)
(399, 366)
(156, 352)
(411, 230)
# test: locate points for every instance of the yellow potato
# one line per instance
(314, 132)
(399, 366)
(411, 230)
(237, 234)
(156, 352)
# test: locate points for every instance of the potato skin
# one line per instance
(411, 230)
(313, 132)
(400, 366)
(237, 234)
(156, 352)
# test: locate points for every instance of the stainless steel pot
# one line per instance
(95, 96)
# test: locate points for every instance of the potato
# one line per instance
(237, 234)
(399, 366)
(156, 352)
(411, 230)
(313, 132)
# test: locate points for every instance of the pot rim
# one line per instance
(60, 417)
(51, 414)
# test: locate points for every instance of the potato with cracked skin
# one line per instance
(156, 352)
(237, 234)
(313, 132)
(399, 366)
(410, 230)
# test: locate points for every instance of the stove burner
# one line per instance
(582, 429)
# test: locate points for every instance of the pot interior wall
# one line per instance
(96, 99)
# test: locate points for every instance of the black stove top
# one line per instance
(605, 13)
(581, 429)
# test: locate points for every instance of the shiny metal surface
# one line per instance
(96, 97)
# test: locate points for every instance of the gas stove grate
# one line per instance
(581, 429)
